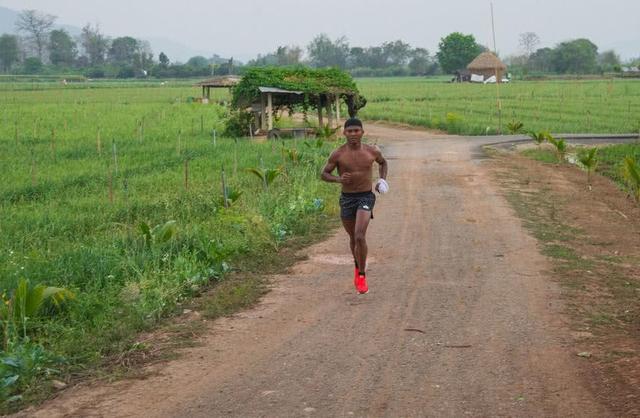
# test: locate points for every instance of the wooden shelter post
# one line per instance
(329, 112)
(338, 110)
(269, 111)
(320, 121)
(263, 112)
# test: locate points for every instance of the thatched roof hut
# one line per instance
(224, 81)
(487, 64)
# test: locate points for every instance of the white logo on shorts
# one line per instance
(365, 207)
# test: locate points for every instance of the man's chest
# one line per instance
(356, 160)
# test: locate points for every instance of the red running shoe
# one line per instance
(356, 272)
(361, 284)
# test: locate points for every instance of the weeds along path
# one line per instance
(460, 319)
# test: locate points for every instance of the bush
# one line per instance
(238, 124)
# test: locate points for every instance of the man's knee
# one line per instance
(359, 237)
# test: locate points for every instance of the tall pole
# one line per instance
(498, 77)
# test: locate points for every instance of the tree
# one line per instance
(32, 65)
(456, 51)
(123, 50)
(163, 59)
(609, 61)
(62, 49)
(9, 51)
(529, 41)
(289, 55)
(94, 43)
(325, 53)
(36, 26)
(198, 62)
(541, 60)
(396, 52)
(421, 62)
(577, 56)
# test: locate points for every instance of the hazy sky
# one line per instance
(244, 28)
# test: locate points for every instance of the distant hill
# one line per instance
(176, 51)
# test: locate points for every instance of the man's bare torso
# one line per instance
(358, 162)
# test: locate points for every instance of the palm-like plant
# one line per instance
(561, 146)
(26, 303)
(632, 174)
(589, 160)
(231, 195)
(515, 127)
(266, 175)
(159, 234)
(540, 137)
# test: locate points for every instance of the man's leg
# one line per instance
(362, 222)
(350, 226)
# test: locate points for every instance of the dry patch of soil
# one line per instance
(594, 238)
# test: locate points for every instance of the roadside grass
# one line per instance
(85, 169)
(602, 290)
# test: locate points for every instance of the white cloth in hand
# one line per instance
(382, 186)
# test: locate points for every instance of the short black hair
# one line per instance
(352, 122)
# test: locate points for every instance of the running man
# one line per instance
(354, 161)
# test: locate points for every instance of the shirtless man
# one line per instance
(354, 161)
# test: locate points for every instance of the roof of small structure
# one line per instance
(486, 61)
(277, 90)
(220, 81)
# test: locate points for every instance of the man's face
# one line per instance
(353, 134)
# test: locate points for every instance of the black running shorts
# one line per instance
(351, 202)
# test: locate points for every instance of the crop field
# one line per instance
(593, 106)
(87, 176)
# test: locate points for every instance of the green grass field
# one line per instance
(589, 106)
(86, 164)
(83, 168)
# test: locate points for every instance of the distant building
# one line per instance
(487, 65)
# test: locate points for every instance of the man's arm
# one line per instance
(382, 165)
(328, 169)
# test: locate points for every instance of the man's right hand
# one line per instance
(345, 178)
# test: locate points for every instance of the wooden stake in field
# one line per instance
(214, 137)
(235, 157)
(225, 198)
(186, 173)
(115, 157)
(53, 144)
(33, 169)
(110, 186)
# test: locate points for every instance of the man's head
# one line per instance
(353, 130)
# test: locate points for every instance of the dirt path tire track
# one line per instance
(460, 320)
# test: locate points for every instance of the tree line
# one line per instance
(38, 48)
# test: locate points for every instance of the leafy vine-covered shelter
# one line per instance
(268, 89)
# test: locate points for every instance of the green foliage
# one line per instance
(159, 234)
(325, 132)
(515, 127)
(25, 304)
(456, 50)
(238, 124)
(589, 160)
(568, 106)
(231, 195)
(266, 175)
(540, 137)
(309, 81)
(560, 145)
(20, 366)
(632, 175)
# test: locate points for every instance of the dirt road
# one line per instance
(460, 319)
